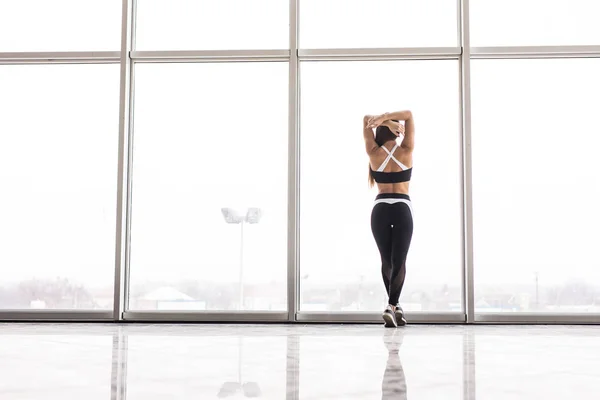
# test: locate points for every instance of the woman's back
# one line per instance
(389, 161)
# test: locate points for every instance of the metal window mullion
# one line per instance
(538, 318)
(126, 285)
(358, 54)
(467, 173)
(54, 315)
(293, 217)
(60, 57)
(121, 236)
(375, 318)
(210, 55)
(496, 52)
(206, 316)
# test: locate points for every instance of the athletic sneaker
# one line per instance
(389, 318)
(399, 314)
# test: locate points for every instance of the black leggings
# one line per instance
(392, 227)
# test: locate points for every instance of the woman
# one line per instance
(390, 166)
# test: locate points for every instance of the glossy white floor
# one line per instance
(135, 362)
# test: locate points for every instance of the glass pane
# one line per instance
(206, 367)
(382, 23)
(58, 169)
(210, 187)
(536, 187)
(341, 267)
(49, 366)
(534, 22)
(60, 25)
(393, 365)
(212, 25)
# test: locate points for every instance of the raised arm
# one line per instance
(369, 136)
(409, 126)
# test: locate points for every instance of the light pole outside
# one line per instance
(232, 216)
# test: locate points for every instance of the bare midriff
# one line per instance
(401, 187)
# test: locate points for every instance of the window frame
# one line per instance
(126, 58)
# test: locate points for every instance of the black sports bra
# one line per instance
(391, 177)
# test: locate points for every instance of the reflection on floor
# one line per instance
(135, 362)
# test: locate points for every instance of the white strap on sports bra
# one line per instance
(391, 157)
